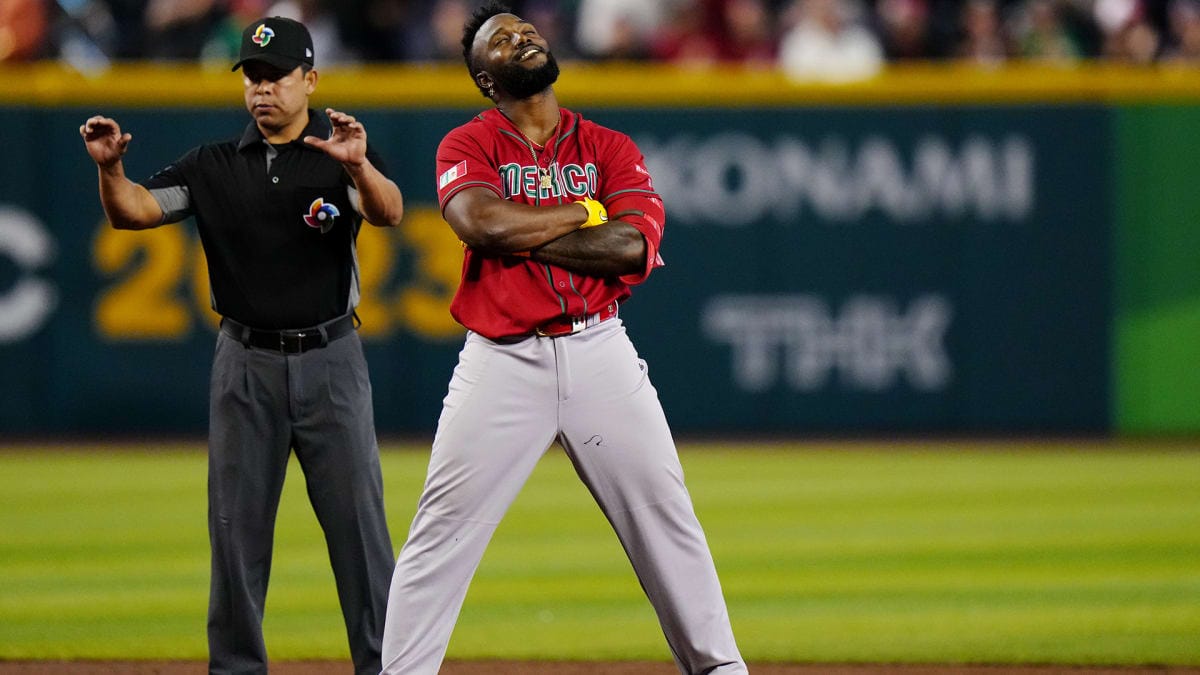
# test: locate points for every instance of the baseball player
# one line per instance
(528, 187)
(278, 211)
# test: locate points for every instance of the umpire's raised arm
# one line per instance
(382, 202)
(127, 205)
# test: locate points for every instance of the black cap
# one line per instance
(281, 42)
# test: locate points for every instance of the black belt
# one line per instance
(290, 341)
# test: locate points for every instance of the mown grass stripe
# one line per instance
(987, 552)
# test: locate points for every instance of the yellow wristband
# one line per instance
(597, 214)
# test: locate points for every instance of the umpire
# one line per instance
(278, 211)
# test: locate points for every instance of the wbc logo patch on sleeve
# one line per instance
(452, 174)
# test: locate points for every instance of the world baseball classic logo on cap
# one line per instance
(321, 215)
(278, 41)
(262, 35)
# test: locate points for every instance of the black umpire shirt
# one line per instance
(278, 224)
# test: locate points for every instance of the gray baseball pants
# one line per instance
(507, 402)
(263, 405)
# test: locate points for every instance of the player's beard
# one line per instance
(521, 82)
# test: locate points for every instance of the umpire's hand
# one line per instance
(347, 142)
(104, 141)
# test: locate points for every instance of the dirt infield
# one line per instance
(573, 668)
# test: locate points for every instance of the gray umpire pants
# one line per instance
(264, 404)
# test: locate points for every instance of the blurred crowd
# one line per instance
(808, 39)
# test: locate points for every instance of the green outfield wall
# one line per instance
(940, 250)
(1157, 327)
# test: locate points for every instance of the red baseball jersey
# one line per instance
(504, 295)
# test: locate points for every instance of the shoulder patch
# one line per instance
(452, 174)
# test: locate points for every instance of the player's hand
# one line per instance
(104, 141)
(597, 214)
(347, 142)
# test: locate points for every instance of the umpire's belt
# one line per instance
(289, 341)
(569, 325)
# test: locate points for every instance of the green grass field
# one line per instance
(829, 552)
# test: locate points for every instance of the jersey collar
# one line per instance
(566, 124)
(318, 125)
